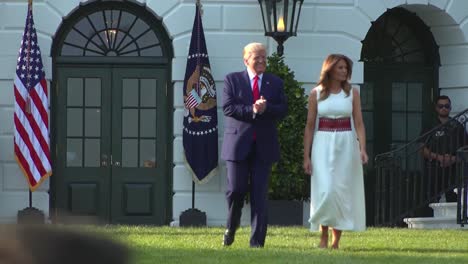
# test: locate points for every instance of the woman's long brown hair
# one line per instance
(327, 67)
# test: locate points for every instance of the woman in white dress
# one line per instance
(338, 152)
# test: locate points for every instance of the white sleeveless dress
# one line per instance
(337, 185)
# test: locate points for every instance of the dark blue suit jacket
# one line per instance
(239, 123)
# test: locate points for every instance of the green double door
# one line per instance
(396, 105)
(110, 160)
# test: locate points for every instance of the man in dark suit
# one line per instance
(253, 102)
(440, 153)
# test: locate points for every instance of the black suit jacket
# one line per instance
(239, 122)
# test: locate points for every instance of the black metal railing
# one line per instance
(462, 188)
(416, 174)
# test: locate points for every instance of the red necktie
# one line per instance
(256, 96)
(255, 90)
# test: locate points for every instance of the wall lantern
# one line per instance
(280, 19)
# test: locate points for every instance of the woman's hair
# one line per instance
(327, 67)
(251, 48)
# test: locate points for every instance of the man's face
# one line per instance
(256, 62)
(443, 107)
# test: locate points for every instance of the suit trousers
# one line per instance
(249, 175)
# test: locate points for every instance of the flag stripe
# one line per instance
(38, 135)
(41, 133)
(43, 117)
(42, 92)
(32, 147)
(29, 163)
(22, 160)
(191, 102)
(30, 140)
(40, 112)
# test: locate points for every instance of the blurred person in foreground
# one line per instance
(40, 244)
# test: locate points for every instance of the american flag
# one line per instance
(193, 100)
(32, 149)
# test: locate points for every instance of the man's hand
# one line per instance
(260, 105)
(446, 160)
(255, 108)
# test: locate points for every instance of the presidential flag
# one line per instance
(200, 132)
(31, 120)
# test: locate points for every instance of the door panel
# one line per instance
(138, 151)
(83, 132)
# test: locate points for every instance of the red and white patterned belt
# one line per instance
(334, 124)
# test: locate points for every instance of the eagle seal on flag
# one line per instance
(200, 132)
(200, 93)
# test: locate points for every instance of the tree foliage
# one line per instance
(288, 181)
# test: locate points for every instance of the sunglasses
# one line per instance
(446, 106)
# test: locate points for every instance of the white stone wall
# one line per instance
(447, 22)
(326, 26)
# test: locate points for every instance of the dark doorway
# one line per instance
(112, 116)
(401, 62)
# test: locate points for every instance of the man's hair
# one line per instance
(251, 48)
(442, 97)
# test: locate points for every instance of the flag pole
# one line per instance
(193, 194)
(193, 216)
(198, 4)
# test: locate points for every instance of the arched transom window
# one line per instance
(399, 36)
(111, 32)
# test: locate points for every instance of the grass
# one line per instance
(291, 245)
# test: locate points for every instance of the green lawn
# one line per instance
(292, 245)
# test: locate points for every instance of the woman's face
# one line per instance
(339, 71)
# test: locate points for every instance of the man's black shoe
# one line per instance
(228, 237)
(256, 246)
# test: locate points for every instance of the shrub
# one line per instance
(288, 181)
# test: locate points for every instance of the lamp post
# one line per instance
(280, 19)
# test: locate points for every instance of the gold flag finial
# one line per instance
(30, 2)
